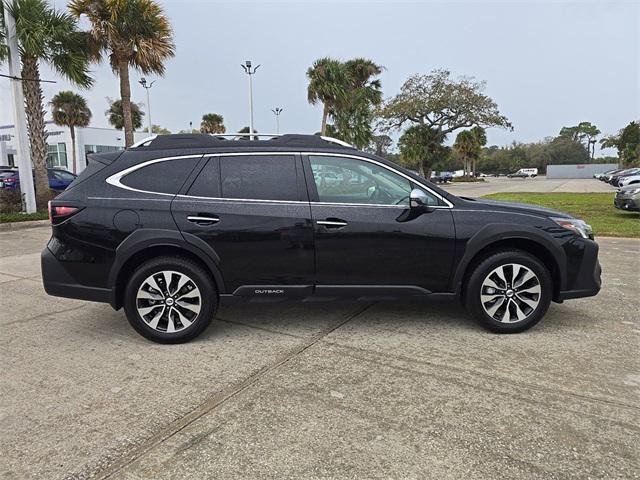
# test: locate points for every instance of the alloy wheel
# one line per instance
(510, 293)
(168, 301)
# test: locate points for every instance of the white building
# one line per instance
(88, 140)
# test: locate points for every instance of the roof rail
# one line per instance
(144, 141)
(336, 140)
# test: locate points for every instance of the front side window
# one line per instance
(348, 180)
(260, 177)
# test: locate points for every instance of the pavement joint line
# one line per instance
(217, 400)
(378, 357)
(256, 327)
(24, 320)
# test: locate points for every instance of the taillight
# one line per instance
(59, 213)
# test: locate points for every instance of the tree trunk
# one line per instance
(73, 148)
(33, 99)
(125, 96)
(325, 115)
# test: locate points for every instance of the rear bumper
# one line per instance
(588, 281)
(59, 283)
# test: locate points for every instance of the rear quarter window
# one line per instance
(165, 176)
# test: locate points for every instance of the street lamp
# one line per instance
(147, 87)
(277, 111)
(249, 71)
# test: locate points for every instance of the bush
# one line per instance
(10, 201)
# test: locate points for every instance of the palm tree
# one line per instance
(212, 123)
(419, 147)
(115, 115)
(49, 36)
(133, 33)
(70, 109)
(327, 85)
(466, 147)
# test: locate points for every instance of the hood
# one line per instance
(518, 207)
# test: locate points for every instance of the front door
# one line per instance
(364, 233)
(253, 211)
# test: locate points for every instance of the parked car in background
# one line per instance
(174, 226)
(630, 180)
(441, 177)
(615, 179)
(628, 198)
(58, 179)
(609, 175)
(524, 173)
(600, 176)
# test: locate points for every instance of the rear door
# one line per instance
(252, 209)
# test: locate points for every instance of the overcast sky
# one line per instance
(546, 64)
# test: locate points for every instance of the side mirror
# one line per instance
(419, 199)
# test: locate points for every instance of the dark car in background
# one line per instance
(173, 227)
(58, 179)
(441, 177)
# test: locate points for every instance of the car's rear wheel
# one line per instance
(509, 291)
(170, 299)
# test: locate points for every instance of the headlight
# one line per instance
(579, 227)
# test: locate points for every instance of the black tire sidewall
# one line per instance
(194, 271)
(478, 275)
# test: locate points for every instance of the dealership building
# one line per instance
(59, 146)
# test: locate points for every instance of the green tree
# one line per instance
(627, 142)
(379, 145)
(48, 36)
(420, 147)
(115, 114)
(584, 133)
(212, 123)
(469, 145)
(327, 81)
(159, 130)
(133, 33)
(71, 110)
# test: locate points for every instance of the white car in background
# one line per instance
(630, 180)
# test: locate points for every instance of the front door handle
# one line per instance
(203, 220)
(332, 223)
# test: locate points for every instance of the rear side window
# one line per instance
(208, 182)
(166, 176)
(261, 177)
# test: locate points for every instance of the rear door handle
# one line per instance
(203, 220)
(332, 223)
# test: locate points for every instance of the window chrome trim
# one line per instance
(116, 179)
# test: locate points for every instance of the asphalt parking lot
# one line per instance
(347, 390)
(540, 184)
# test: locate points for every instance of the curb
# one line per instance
(23, 225)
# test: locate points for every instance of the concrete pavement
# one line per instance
(348, 390)
(538, 184)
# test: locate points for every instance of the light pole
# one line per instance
(277, 111)
(249, 71)
(147, 87)
(19, 117)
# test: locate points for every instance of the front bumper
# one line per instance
(588, 281)
(626, 203)
(59, 283)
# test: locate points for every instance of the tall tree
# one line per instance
(627, 142)
(327, 81)
(469, 145)
(353, 111)
(115, 114)
(212, 123)
(380, 144)
(133, 33)
(420, 147)
(70, 109)
(584, 133)
(439, 102)
(48, 36)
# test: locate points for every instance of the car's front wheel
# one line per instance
(170, 299)
(509, 291)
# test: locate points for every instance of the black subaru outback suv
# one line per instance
(175, 226)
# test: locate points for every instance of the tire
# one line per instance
(174, 315)
(526, 304)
